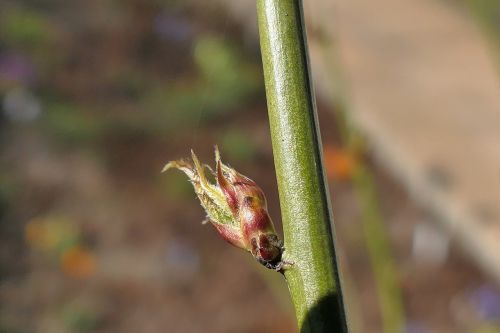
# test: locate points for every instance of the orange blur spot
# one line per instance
(78, 262)
(339, 162)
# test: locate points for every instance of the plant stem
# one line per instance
(378, 244)
(313, 280)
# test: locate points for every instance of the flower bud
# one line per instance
(236, 207)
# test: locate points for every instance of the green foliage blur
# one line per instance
(223, 81)
(67, 78)
(487, 13)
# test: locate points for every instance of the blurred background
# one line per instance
(96, 96)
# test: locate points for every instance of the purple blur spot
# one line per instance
(15, 67)
(182, 258)
(416, 327)
(486, 300)
(172, 28)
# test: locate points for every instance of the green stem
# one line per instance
(384, 268)
(313, 280)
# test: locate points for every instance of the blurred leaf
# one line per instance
(8, 329)
(227, 76)
(168, 108)
(215, 60)
(487, 13)
(81, 319)
(487, 329)
(25, 28)
(71, 125)
(225, 80)
(238, 145)
(7, 191)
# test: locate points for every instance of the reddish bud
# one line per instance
(236, 207)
